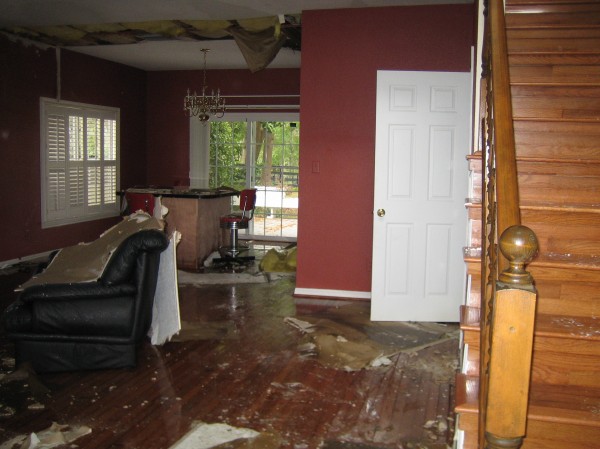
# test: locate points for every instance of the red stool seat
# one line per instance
(239, 220)
(140, 201)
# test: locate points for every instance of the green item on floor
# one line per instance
(279, 261)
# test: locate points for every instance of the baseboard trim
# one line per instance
(325, 293)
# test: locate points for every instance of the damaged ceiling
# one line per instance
(168, 35)
(258, 39)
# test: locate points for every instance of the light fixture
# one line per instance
(204, 106)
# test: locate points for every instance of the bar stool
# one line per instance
(238, 220)
(140, 201)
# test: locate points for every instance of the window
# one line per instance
(79, 162)
(253, 150)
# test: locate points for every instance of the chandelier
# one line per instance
(204, 106)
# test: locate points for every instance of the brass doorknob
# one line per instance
(380, 212)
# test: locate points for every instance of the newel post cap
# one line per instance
(519, 245)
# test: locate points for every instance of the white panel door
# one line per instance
(421, 179)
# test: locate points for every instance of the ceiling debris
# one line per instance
(259, 39)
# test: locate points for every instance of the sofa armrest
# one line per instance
(76, 291)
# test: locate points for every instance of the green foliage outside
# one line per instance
(274, 154)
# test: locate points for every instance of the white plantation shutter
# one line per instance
(56, 176)
(80, 162)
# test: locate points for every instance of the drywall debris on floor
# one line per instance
(55, 435)
(346, 342)
(85, 262)
(338, 345)
(20, 389)
(206, 436)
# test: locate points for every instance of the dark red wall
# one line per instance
(341, 53)
(27, 74)
(168, 126)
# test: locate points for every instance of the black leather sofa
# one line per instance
(90, 325)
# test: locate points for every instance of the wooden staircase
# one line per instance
(554, 64)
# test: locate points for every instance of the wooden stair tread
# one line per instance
(567, 260)
(551, 92)
(580, 118)
(577, 405)
(469, 318)
(553, 165)
(555, 104)
(562, 46)
(555, 128)
(567, 218)
(561, 404)
(560, 33)
(510, 3)
(555, 326)
(472, 254)
(552, 59)
(559, 167)
(574, 263)
(570, 327)
(577, 19)
(576, 75)
(552, 8)
(572, 208)
(467, 389)
(557, 139)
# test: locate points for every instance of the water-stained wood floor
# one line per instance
(247, 371)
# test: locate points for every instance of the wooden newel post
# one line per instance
(513, 323)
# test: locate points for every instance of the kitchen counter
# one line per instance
(195, 214)
(178, 192)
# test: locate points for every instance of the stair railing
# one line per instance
(508, 296)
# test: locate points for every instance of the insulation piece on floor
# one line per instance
(55, 435)
(283, 261)
(206, 436)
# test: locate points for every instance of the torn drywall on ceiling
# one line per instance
(259, 39)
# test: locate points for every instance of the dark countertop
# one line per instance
(182, 192)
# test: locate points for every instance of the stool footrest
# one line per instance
(230, 259)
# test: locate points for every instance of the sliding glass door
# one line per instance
(259, 152)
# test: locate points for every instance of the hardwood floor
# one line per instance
(249, 371)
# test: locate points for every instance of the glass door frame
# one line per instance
(200, 154)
